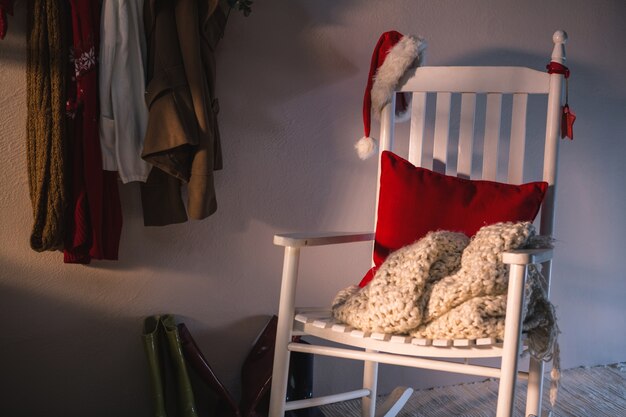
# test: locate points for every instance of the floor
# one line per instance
(584, 392)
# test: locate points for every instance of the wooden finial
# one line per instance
(558, 53)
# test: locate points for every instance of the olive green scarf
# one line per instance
(46, 150)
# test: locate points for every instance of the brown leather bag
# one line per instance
(226, 405)
(256, 376)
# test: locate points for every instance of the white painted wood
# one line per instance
(341, 328)
(394, 402)
(410, 361)
(442, 132)
(512, 340)
(387, 129)
(298, 240)
(482, 80)
(381, 336)
(416, 347)
(387, 126)
(418, 124)
(464, 342)
(486, 341)
(286, 312)
(550, 170)
(535, 387)
(400, 339)
(323, 324)
(326, 399)
(559, 38)
(527, 256)
(518, 139)
(370, 383)
(303, 318)
(442, 342)
(421, 342)
(492, 136)
(551, 149)
(359, 334)
(466, 135)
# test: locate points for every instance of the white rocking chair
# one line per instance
(372, 349)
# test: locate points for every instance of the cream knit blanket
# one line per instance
(446, 286)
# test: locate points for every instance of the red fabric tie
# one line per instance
(556, 68)
(568, 117)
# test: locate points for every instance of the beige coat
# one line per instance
(182, 136)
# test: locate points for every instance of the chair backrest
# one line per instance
(481, 88)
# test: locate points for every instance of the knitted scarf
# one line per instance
(45, 68)
(446, 286)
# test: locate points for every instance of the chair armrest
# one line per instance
(298, 240)
(527, 256)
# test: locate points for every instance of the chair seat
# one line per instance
(319, 322)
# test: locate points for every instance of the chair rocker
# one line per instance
(374, 348)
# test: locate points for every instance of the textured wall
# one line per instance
(291, 79)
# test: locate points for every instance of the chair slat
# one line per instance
(506, 80)
(418, 122)
(486, 341)
(381, 336)
(421, 342)
(323, 323)
(464, 342)
(359, 333)
(400, 339)
(303, 318)
(492, 136)
(466, 135)
(518, 139)
(442, 342)
(342, 328)
(442, 132)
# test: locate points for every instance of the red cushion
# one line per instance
(414, 201)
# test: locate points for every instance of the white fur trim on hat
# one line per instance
(408, 51)
(365, 147)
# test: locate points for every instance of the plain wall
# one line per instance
(290, 83)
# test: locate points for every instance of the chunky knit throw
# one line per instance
(446, 286)
(46, 56)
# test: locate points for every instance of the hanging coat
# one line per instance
(96, 219)
(182, 138)
(123, 111)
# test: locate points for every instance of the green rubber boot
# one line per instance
(152, 334)
(186, 401)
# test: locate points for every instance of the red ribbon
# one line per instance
(568, 117)
(556, 68)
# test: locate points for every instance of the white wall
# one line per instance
(291, 80)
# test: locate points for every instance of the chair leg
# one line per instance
(286, 310)
(370, 381)
(535, 388)
(512, 341)
(394, 402)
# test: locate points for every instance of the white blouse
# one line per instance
(123, 111)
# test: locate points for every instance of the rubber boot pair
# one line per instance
(167, 364)
(256, 377)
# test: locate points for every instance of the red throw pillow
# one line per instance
(414, 201)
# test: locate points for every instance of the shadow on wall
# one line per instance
(74, 354)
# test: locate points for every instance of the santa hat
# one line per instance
(393, 55)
